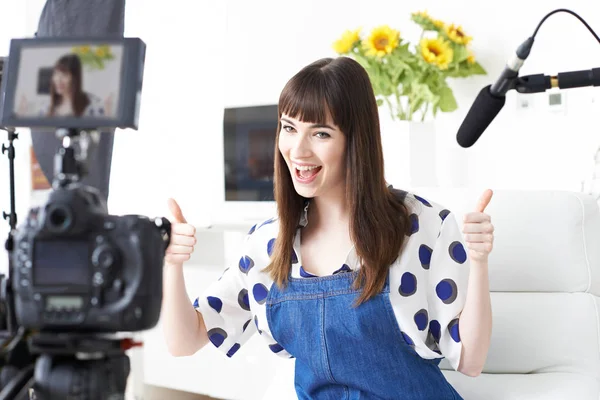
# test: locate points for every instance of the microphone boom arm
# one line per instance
(538, 83)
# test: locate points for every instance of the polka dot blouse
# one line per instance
(428, 285)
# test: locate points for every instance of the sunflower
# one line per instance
(383, 40)
(471, 58)
(101, 52)
(457, 35)
(438, 23)
(437, 52)
(346, 42)
(81, 49)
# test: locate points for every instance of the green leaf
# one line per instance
(460, 53)
(447, 100)
(477, 69)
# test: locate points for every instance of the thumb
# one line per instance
(484, 200)
(176, 211)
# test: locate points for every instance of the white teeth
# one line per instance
(306, 168)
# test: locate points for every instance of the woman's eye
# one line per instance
(288, 128)
(322, 135)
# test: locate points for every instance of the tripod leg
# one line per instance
(24, 394)
(17, 384)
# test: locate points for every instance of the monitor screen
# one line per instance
(75, 83)
(58, 81)
(61, 262)
(249, 147)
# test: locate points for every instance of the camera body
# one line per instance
(77, 268)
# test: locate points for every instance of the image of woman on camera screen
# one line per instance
(67, 97)
(62, 94)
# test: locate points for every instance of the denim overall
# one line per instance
(349, 353)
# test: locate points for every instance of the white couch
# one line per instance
(545, 283)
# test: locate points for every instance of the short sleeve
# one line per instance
(225, 308)
(449, 276)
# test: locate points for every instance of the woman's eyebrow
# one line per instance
(313, 126)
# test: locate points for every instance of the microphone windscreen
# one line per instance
(483, 111)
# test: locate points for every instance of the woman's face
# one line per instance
(314, 155)
(61, 81)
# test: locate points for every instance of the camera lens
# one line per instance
(59, 218)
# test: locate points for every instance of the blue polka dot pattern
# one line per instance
(425, 256)
(457, 252)
(251, 231)
(267, 222)
(422, 319)
(215, 303)
(256, 323)
(223, 274)
(246, 264)
(408, 284)
(454, 331)
(275, 348)
(243, 299)
(444, 213)
(246, 325)
(435, 329)
(343, 268)
(270, 247)
(414, 224)
(407, 339)
(217, 336)
(305, 274)
(422, 200)
(294, 257)
(196, 303)
(447, 291)
(233, 349)
(260, 292)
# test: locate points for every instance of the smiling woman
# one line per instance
(362, 284)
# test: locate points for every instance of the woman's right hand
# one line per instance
(183, 240)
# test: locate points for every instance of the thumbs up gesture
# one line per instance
(479, 231)
(182, 241)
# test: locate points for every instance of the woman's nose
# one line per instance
(301, 147)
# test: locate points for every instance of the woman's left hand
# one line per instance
(479, 231)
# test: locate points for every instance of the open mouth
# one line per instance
(306, 173)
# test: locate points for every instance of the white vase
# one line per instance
(409, 152)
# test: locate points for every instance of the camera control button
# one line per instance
(109, 225)
(103, 256)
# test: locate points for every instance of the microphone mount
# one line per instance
(538, 83)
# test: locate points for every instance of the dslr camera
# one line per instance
(79, 278)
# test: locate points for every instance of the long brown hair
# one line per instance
(379, 220)
(70, 64)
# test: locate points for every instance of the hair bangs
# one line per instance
(305, 98)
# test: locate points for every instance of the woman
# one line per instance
(67, 97)
(367, 287)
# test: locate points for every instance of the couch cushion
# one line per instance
(545, 241)
(543, 332)
(550, 386)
